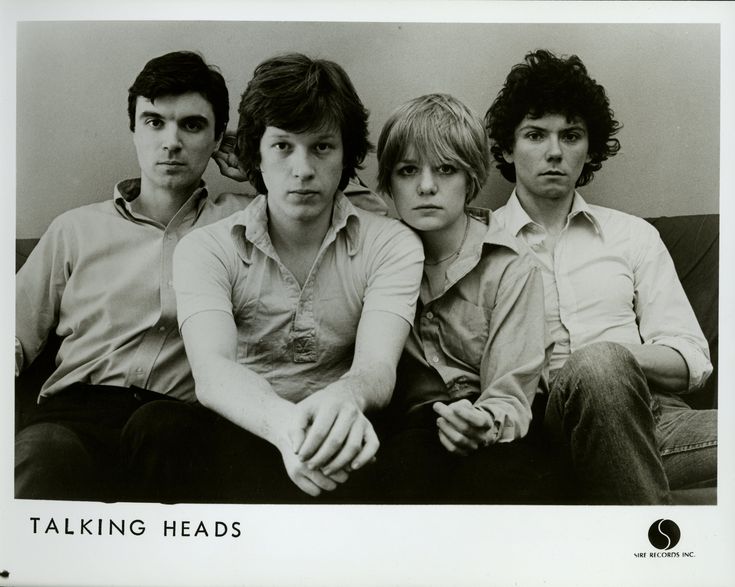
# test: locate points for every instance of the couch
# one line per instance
(693, 242)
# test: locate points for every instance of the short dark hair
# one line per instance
(547, 84)
(298, 94)
(178, 73)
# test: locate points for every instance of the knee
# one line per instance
(605, 376)
(159, 423)
(50, 462)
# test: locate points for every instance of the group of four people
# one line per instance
(300, 345)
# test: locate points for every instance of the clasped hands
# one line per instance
(328, 438)
(464, 428)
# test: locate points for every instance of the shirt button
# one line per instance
(430, 315)
(139, 370)
(435, 358)
(161, 329)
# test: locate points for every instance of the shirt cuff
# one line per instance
(697, 360)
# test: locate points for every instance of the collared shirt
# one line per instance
(610, 278)
(300, 338)
(483, 336)
(101, 277)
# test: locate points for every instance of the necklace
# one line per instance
(455, 253)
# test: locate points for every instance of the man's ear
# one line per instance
(508, 156)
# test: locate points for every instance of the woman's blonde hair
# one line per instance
(441, 130)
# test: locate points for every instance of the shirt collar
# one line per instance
(250, 227)
(128, 190)
(496, 234)
(471, 253)
(516, 218)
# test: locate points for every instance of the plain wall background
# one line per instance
(663, 81)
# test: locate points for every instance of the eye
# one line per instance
(446, 169)
(154, 122)
(193, 125)
(572, 137)
(534, 135)
(280, 146)
(406, 170)
(323, 147)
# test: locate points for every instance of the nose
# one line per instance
(171, 138)
(553, 150)
(301, 164)
(427, 182)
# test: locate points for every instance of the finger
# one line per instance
(450, 416)
(321, 480)
(343, 442)
(339, 476)
(297, 432)
(229, 142)
(473, 416)
(350, 449)
(456, 437)
(317, 431)
(369, 450)
(449, 445)
(307, 486)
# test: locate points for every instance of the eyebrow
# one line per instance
(187, 118)
(320, 136)
(577, 127)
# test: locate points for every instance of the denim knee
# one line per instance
(604, 373)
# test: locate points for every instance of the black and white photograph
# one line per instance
(368, 293)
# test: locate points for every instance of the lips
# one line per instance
(554, 173)
(172, 163)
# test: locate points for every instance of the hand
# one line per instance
(463, 428)
(226, 160)
(312, 482)
(331, 432)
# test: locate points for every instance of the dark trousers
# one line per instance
(73, 446)
(193, 455)
(414, 467)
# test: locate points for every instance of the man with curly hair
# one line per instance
(627, 343)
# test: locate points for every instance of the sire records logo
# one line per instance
(664, 535)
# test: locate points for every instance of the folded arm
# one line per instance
(513, 368)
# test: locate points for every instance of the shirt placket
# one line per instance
(149, 349)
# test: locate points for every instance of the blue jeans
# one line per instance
(628, 445)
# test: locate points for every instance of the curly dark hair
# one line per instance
(177, 73)
(298, 94)
(547, 84)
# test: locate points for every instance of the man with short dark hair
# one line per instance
(294, 312)
(101, 280)
(627, 343)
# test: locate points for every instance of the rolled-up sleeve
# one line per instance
(664, 314)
